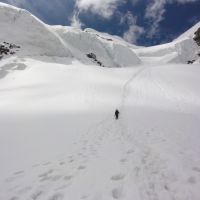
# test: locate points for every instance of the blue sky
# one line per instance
(143, 22)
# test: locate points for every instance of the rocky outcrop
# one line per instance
(197, 37)
(94, 58)
(8, 49)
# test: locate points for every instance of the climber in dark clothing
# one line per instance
(117, 114)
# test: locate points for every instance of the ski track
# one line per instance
(126, 87)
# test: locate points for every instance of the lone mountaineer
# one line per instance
(117, 114)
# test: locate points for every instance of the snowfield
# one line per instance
(59, 139)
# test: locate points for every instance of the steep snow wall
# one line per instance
(178, 51)
(181, 50)
(18, 26)
(109, 50)
(36, 38)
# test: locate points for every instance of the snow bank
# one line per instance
(180, 51)
(110, 51)
(34, 37)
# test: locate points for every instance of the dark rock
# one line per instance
(197, 36)
(94, 58)
(92, 55)
(8, 49)
(190, 61)
(99, 63)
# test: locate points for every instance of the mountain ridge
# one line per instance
(37, 38)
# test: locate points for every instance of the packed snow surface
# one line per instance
(59, 139)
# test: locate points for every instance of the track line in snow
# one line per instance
(127, 85)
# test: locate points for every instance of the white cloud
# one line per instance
(134, 31)
(75, 21)
(104, 8)
(155, 13)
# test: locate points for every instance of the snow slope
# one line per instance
(178, 51)
(22, 28)
(59, 139)
(109, 50)
(37, 38)
(189, 33)
(181, 50)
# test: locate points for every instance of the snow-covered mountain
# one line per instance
(181, 50)
(38, 39)
(59, 90)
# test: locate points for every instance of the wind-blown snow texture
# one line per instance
(58, 136)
